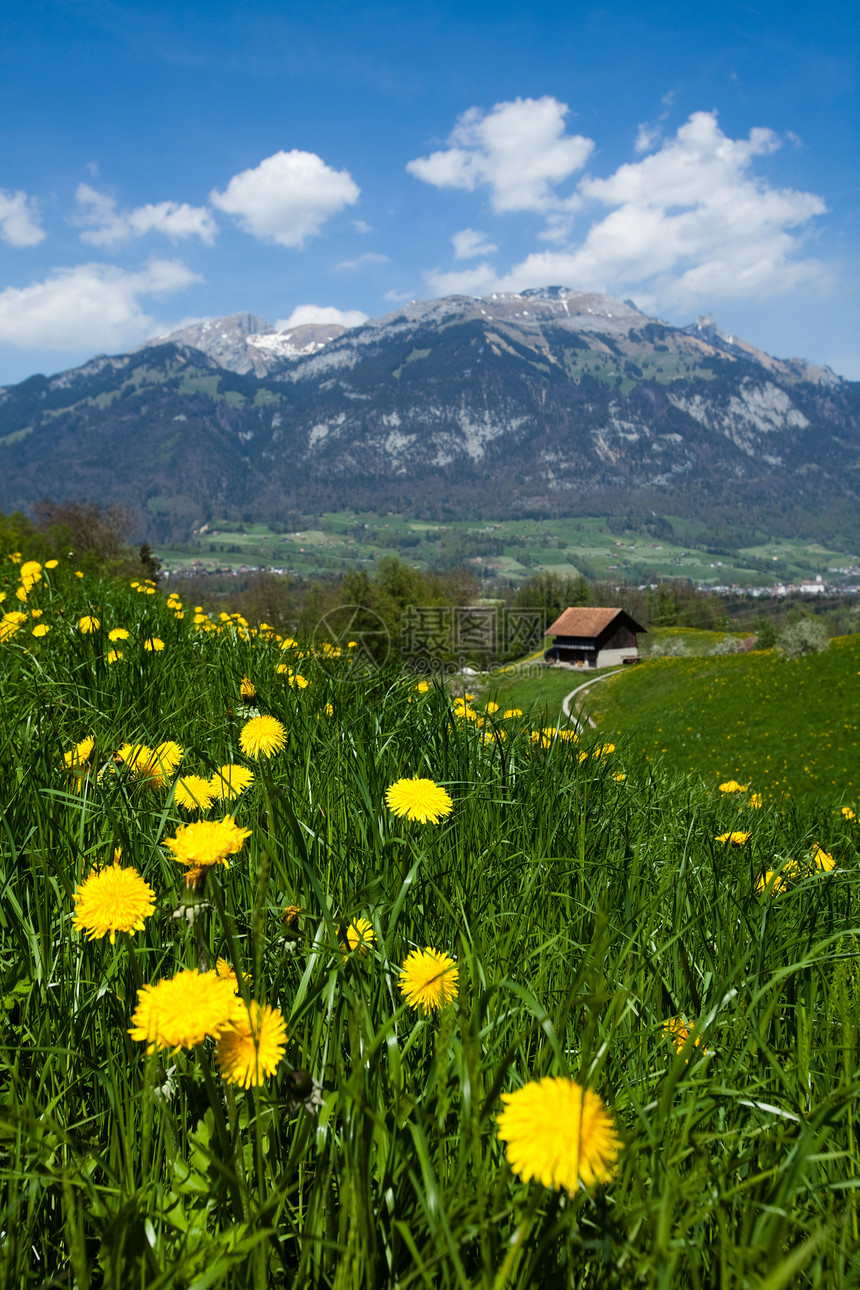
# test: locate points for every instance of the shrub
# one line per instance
(728, 645)
(806, 636)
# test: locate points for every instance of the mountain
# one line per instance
(546, 401)
(247, 343)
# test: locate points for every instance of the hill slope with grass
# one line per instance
(783, 725)
(314, 976)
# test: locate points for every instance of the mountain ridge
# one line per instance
(245, 342)
(538, 401)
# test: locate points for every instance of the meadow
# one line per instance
(788, 726)
(513, 550)
(314, 975)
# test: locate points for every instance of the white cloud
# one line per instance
(646, 137)
(288, 197)
(106, 226)
(368, 257)
(687, 224)
(468, 243)
(304, 314)
(92, 306)
(519, 149)
(464, 282)
(19, 219)
(362, 226)
(649, 134)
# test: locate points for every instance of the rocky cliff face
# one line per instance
(247, 343)
(551, 399)
(534, 319)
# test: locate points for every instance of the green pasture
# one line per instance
(562, 545)
(583, 895)
(783, 725)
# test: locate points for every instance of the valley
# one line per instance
(510, 551)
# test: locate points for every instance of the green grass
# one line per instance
(563, 545)
(586, 902)
(783, 725)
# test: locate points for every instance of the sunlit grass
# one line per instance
(784, 725)
(583, 912)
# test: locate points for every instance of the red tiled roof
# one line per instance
(586, 622)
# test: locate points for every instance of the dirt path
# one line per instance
(565, 706)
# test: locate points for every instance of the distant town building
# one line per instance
(594, 638)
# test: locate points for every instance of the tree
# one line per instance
(806, 636)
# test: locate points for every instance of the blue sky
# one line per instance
(179, 161)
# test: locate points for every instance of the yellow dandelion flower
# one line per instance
(491, 707)
(152, 766)
(247, 689)
(732, 786)
(679, 1031)
(251, 1047)
(821, 859)
(848, 813)
(88, 624)
(78, 573)
(360, 935)
(51, 564)
(181, 1011)
(30, 569)
(228, 973)
(80, 752)
(755, 801)
(229, 782)
(428, 979)
(777, 880)
(295, 679)
(36, 613)
(114, 655)
(559, 1133)
(418, 799)
(262, 736)
(329, 709)
(737, 839)
(620, 777)
(512, 712)
(41, 629)
(193, 793)
(118, 634)
(288, 643)
(153, 645)
(207, 842)
(21, 593)
(114, 900)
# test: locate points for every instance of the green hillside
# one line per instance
(784, 726)
(313, 977)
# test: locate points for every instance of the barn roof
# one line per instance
(588, 622)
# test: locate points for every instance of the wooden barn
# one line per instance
(594, 638)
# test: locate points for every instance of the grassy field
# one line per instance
(603, 937)
(786, 726)
(562, 545)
